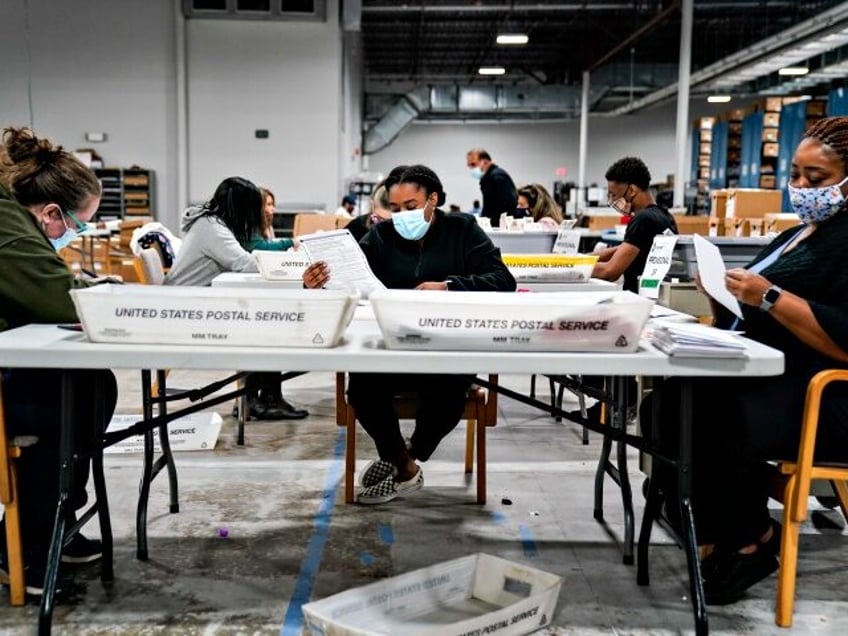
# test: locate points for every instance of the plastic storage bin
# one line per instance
(551, 268)
(214, 316)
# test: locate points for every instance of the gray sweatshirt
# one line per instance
(209, 248)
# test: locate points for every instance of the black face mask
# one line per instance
(520, 213)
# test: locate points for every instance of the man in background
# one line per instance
(347, 207)
(499, 194)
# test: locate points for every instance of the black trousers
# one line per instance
(269, 382)
(32, 401)
(442, 403)
(740, 424)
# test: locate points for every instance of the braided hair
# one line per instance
(425, 178)
(833, 132)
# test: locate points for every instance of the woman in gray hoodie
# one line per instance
(213, 236)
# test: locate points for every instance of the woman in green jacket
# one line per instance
(46, 195)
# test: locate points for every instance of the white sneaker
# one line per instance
(375, 472)
(389, 489)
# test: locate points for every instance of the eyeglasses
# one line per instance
(80, 226)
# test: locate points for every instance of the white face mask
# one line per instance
(476, 173)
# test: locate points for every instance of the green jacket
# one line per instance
(34, 280)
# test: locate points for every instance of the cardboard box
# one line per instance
(816, 108)
(753, 202)
(768, 181)
(738, 227)
(770, 149)
(773, 104)
(718, 203)
(734, 128)
(692, 224)
(603, 221)
(770, 134)
(716, 226)
(771, 120)
(144, 314)
(477, 594)
(704, 172)
(735, 114)
(470, 321)
(755, 227)
(706, 135)
(780, 222)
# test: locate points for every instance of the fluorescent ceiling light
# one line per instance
(718, 99)
(793, 70)
(512, 38)
(492, 70)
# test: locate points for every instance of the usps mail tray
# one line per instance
(552, 268)
(497, 321)
(288, 265)
(477, 594)
(213, 315)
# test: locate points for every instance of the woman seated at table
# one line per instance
(46, 196)
(535, 202)
(213, 238)
(794, 297)
(265, 239)
(420, 248)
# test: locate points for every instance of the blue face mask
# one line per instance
(476, 173)
(63, 241)
(411, 224)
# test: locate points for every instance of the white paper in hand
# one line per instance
(711, 269)
(349, 269)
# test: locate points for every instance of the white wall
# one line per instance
(95, 66)
(284, 77)
(533, 152)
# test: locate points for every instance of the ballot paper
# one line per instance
(696, 340)
(711, 270)
(349, 270)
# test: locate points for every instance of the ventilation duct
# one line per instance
(391, 124)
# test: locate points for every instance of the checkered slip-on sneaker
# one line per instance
(389, 489)
(375, 472)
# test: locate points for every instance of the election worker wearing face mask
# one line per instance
(628, 182)
(46, 195)
(496, 186)
(420, 248)
(794, 297)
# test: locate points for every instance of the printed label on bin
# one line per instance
(282, 265)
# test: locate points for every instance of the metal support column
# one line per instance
(584, 135)
(682, 136)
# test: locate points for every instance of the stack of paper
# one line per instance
(695, 340)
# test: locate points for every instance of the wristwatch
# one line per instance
(770, 297)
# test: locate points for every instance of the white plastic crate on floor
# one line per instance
(470, 596)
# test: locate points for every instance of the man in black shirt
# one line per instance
(499, 194)
(628, 180)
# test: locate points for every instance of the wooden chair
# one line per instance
(10, 450)
(148, 267)
(481, 411)
(310, 223)
(797, 491)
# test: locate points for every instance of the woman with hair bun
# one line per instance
(421, 247)
(46, 196)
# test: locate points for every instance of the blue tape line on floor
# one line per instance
(386, 534)
(293, 621)
(528, 543)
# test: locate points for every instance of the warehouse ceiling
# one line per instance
(430, 51)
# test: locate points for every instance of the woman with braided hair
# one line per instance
(794, 297)
(421, 247)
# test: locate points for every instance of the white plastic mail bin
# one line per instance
(288, 265)
(473, 595)
(493, 321)
(214, 316)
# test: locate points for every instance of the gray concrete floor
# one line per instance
(267, 495)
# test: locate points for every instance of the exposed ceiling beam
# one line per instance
(818, 26)
(638, 33)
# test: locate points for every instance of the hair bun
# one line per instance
(23, 146)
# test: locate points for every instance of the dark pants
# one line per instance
(442, 403)
(32, 401)
(268, 382)
(740, 424)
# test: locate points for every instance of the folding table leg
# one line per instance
(165, 443)
(147, 470)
